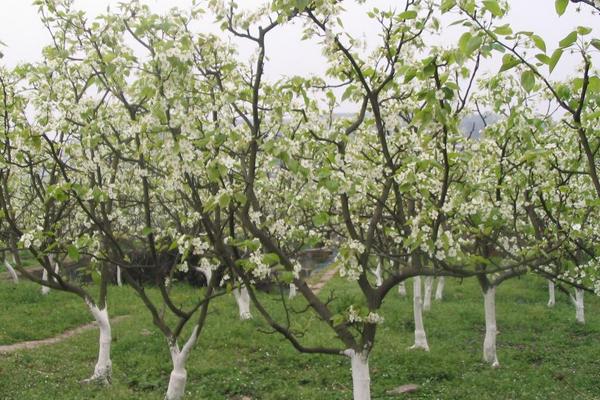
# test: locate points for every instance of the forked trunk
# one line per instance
(489, 344)
(551, 295)
(378, 275)
(103, 369)
(428, 292)
(243, 301)
(420, 337)
(178, 377)
(361, 380)
(439, 290)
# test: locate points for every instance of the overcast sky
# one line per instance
(24, 35)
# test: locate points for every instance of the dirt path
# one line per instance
(326, 277)
(32, 344)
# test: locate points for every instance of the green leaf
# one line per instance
(584, 30)
(447, 5)
(554, 59)
(561, 6)
(509, 61)
(568, 40)
(528, 80)
(503, 30)
(539, 42)
(270, 258)
(493, 7)
(463, 41)
(410, 14)
(596, 43)
(320, 219)
(73, 253)
(146, 231)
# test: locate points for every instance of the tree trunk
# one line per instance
(420, 337)
(119, 279)
(489, 344)
(361, 380)
(402, 289)
(551, 296)
(378, 275)
(579, 307)
(12, 272)
(439, 290)
(428, 292)
(293, 291)
(243, 301)
(45, 289)
(178, 377)
(103, 368)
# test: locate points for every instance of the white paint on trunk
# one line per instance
(361, 380)
(119, 278)
(402, 289)
(45, 289)
(420, 336)
(243, 301)
(207, 273)
(293, 291)
(579, 308)
(378, 275)
(551, 295)
(489, 343)
(178, 377)
(12, 272)
(103, 368)
(439, 290)
(428, 292)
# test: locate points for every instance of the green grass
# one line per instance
(543, 353)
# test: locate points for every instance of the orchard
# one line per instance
(237, 236)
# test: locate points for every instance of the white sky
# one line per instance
(24, 35)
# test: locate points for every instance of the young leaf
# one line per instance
(568, 40)
(528, 80)
(493, 7)
(561, 6)
(554, 59)
(509, 61)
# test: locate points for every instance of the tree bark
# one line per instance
(178, 377)
(45, 289)
(439, 290)
(361, 380)
(12, 272)
(103, 369)
(402, 289)
(428, 292)
(420, 336)
(243, 301)
(551, 295)
(579, 306)
(489, 343)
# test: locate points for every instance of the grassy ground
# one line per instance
(543, 353)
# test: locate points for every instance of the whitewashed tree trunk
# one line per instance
(103, 368)
(206, 271)
(579, 306)
(378, 275)
(428, 292)
(12, 272)
(489, 343)
(551, 295)
(178, 377)
(293, 291)
(119, 278)
(402, 289)
(439, 290)
(45, 289)
(361, 380)
(420, 337)
(243, 301)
